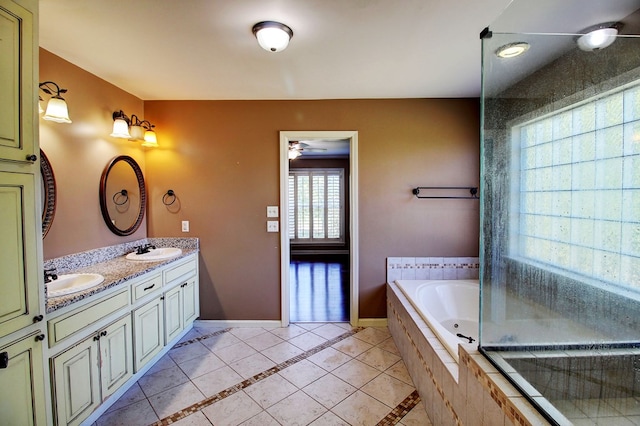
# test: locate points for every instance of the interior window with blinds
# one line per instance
(316, 205)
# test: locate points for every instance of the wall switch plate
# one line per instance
(185, 226)
(272, 211)
(272, 226)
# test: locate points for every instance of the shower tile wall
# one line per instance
(432, 268)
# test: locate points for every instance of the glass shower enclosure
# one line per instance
(560, 189)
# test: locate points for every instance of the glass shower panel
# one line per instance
(560, 295)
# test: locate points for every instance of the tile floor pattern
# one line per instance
(306, 374)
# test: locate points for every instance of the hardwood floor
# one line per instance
(319, 290)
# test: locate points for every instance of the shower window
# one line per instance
(578, 193)
(316, 207)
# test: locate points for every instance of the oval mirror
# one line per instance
(123, 195)
(48, 193)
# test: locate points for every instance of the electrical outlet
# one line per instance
(272, 211)
(272, 226)
(185, 226)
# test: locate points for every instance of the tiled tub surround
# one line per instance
(432, 268)
(110, 263)
(471, 392)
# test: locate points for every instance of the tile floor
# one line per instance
(306, 374)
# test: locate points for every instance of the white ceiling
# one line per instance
(341, 49)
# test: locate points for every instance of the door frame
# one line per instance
(285, 253)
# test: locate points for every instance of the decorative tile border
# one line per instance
(432, 268)
(401, 410)
(390, 419)
(427, 368)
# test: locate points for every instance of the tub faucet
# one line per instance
(471, 339)
(50, 275)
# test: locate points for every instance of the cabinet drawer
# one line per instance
(138, 291)
(61, 328)
(182, 271)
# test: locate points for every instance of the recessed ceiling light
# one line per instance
(512, 50)
(598, 36)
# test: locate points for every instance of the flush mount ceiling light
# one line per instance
(512, 50)
(598, 36)
(272, 36)
(56, 107)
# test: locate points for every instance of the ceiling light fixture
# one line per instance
(512, 50)
(272, 36)
(57, 109)
(598, 36)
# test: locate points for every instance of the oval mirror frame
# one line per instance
(48, 193)
(104, 198)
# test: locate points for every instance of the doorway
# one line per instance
(325, 271)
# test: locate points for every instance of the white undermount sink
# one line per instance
(154, 255)
(72, 283)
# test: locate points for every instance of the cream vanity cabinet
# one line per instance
(22, 400)
(22, 377)
(19, 171)
(99, 360)
(181, 297)
(100, 345)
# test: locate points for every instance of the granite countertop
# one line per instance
(115, 272)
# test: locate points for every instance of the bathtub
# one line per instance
(449, 307)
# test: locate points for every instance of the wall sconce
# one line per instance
(272, 36)
(139, 130)
(56, 107)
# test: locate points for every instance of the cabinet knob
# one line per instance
(32, 157)
(38, 318)
(40, 337)
(4, 359)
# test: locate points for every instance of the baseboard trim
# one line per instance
(237, 323)
(372, 322)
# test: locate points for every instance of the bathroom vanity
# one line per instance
(101, 340)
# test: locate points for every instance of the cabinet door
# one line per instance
(148, 332)
(76, 382)
(19, 283)
(17, 83)
(173, 313)
(190, 301)
(22, 390)
(116, 355)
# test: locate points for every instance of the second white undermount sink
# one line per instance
(156, 254)
(72, 283)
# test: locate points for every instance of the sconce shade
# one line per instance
(293, 154)
(136, 132)
(120, 129)
(272, 36)
(57, 110)
(40, 110)
(150, 139)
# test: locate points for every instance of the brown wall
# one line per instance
(221, 159)
(79, 152)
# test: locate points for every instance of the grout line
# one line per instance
(252, 380)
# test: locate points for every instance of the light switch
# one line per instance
(185, 226)
(272, 211)
(272, 226)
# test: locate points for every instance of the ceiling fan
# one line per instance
(296, 148)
